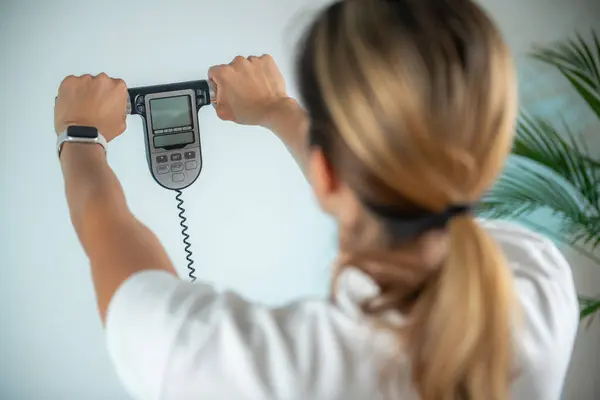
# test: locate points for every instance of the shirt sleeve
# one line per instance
(170, 339)
(142, 325)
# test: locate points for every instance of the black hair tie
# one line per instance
(404, 225)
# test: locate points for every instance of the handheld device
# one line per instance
(171, 131)
(172, 136)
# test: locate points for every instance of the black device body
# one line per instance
(171, 130)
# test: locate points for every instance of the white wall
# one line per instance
(254, 225)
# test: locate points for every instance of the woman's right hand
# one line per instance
(249, 90)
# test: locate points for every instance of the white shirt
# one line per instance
(169, 339)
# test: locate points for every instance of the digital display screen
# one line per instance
(173, 140)
(171, 112)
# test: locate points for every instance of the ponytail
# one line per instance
(460, 338)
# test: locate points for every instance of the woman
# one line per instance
(410, 115)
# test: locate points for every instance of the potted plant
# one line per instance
(551, 168)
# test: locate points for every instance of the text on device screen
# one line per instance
(171, 112)
(171, 118)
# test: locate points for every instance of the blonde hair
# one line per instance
(413, 104)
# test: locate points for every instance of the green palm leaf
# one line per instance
(539, 141)
(533, 181)
(588, 306)
(521, 190)
(579, 62)
(525, 187)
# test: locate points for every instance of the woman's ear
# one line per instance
(322, 178)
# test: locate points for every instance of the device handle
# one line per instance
(212, 89)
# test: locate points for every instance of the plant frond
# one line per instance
(584, 231)
(588, 307)
(524, 187)
(579, 62)
(539, 141)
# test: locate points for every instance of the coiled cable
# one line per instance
(186, 236)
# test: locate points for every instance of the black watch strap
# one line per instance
(83, 132)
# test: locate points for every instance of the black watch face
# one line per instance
(86, 132)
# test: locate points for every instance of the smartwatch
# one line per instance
(80, 134)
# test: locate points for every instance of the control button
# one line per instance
(199, 92)
(162, 159)
(139, 100)
(176, 157)
(141, 108)
(178, 177)
(177, 167)
(156, 132)
(189, 155)
(162, 169)
(190, 165)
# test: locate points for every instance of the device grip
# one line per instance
(212, 88)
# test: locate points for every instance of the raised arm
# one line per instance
(251, 91)
(116, 243)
